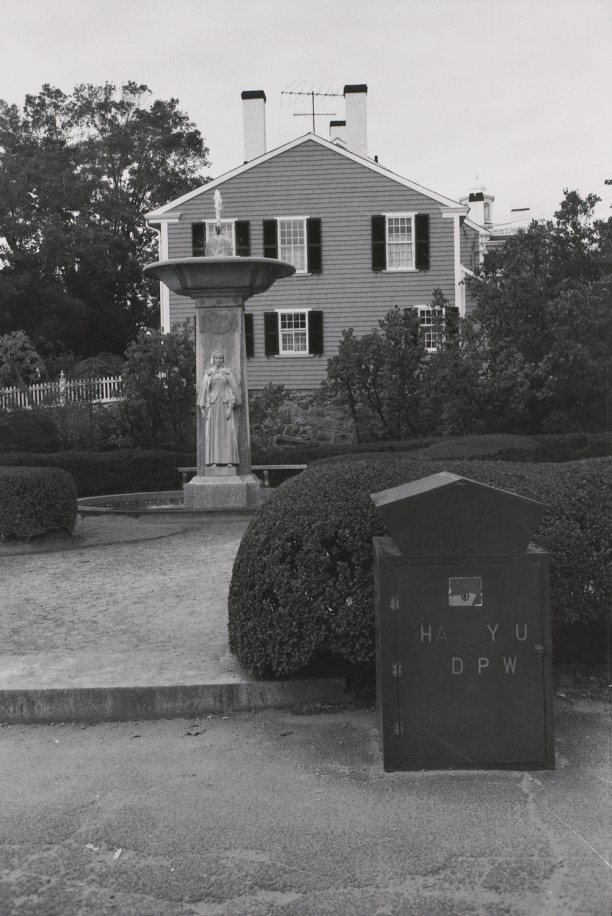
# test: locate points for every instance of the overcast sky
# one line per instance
(514, 91)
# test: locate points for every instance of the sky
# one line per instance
(516, 92)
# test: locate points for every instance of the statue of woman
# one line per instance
(217, 399)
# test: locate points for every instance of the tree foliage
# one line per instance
(542, 322)
(77, 174)
(382, 377)
(159, 384)
(20, 364)
(534, 356)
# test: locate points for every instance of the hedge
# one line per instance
(491, 447)
(35, 501)
(102, 473)
(302, 581)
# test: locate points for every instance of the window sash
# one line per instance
(292, 242)
(293, 332)
(431, 328)
(227, 231)
(400, 242)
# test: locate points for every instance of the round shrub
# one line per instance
(35, 501)
(303, 581)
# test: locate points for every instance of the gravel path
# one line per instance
(119, 585)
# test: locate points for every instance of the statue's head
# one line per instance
(218, 358)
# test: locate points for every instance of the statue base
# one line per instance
(223, 492)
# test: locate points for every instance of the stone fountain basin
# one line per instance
(203, 277)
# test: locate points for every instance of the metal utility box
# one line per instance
(463, 646)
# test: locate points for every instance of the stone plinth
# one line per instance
(224, 492)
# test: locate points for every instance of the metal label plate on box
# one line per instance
(465, 591)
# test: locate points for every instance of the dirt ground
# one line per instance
(119, 584)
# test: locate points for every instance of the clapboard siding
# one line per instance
(313, 181)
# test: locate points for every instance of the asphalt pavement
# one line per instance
(290, 813)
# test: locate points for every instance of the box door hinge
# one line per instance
(394, 603)
(398, 728)
(396, 669)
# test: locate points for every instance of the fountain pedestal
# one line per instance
(219, 287)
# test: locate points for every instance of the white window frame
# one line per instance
(282, 352)
(411, 245)
(304, 246)
(426, 328)
(231, 236)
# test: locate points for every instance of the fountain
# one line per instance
(220, 283)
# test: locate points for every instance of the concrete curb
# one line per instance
(179, 701)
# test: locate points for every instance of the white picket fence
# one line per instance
(63, 391)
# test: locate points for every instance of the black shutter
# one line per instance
(198, 240)
(379, 243)
(422, 241)
(315, 333)
(249, 335)
(452, 320)
(243, 238)
(271, 333)
(270, 239)
(412, 313)
(315, 255)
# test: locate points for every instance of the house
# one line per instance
(362, 238)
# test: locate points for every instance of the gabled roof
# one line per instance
(339, 150)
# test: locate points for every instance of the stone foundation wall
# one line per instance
(304, 418)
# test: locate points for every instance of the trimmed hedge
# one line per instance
(103, 473)
(35, 501)
(302, 581)
(491, 447)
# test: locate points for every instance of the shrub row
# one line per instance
(302, 581)
(493, 447)
(35, 501)
(101, 473)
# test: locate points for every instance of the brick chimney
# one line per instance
(254, 118)
(337, 132)
(356, 108)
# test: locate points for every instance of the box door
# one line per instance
(472, 684)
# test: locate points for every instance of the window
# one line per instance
(227, 231)
(292, 242)
(432, 326)
(237, 232)
(296, 239)
(293, 332)
(400, 241)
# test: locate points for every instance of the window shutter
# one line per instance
(249, 335)
(315, 255)
(412, 313)
(271, 333)
(243, 238)
(379, 243)
(198, 240)
(315, 333)
(422, 241)
(452, 320)
(270, 239)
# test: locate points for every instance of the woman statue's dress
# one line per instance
(218, 393)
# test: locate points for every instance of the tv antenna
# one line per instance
(313, 113)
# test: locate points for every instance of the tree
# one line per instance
(20, 364)
(77, 175)
(160, 390)
(382, 377)
(541, 336)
